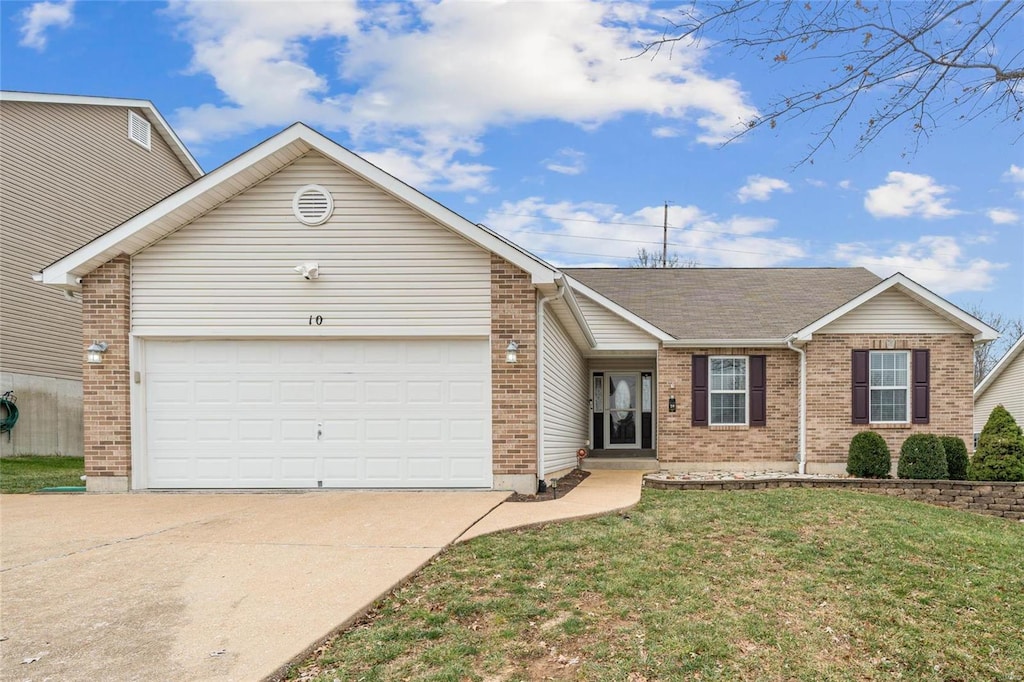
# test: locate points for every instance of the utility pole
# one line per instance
(664, 240)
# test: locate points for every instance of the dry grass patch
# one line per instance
(796, 584)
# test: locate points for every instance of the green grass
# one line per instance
(28, 473)
(751, 585)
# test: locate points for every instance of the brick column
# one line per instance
(105, 387)
(513, 385)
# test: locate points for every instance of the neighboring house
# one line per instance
(1004, 385)
(71, 168)
(300, 318)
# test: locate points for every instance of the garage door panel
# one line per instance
(409, 413)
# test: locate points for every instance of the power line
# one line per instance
(878, 260)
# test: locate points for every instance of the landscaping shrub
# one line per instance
(1000, 453)
(869, 456)
(956, 457)
(922, 456)
(1000, 424)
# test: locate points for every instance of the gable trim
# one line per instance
(618, 310)
(297, 137)
(981, 331)
(1003, 363)
(154, 117)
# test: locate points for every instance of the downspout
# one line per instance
(802, 453)
(560, 283)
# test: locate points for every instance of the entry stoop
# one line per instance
(628, 460)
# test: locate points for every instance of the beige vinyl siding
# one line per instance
(611, 330)
(1007, 390)
(891, 312)
(623, 364)
(566, 395)
(385, 269)
(69, 173)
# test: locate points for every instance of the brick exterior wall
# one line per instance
(513, 385)
(991, 498)
(106, 295)
(829, 392)
(680, 443)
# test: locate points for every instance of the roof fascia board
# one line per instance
(58, 272)
(726, 343)
(982, 332)
(574, 308)
(614, 307)
(540, 271)
(181, 151)
(1003, 363)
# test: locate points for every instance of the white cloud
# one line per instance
(816, 183)
(567, 162)
(760, 188)
(907, 194)
(39, 17)
(1002, 216)
(666, 132)
(937, 262)
(1014, 174)
(570, 233)
(410, 76)
(845, 184)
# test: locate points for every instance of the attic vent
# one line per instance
(313, 205)
(138, 129)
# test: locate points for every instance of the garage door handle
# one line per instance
(319, 430)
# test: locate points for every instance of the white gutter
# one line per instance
(725, 343)
(802, 453)
(560, 283)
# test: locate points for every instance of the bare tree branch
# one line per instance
(915, 63)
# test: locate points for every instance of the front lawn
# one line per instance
(795, 584)
(29, 473)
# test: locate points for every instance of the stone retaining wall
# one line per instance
(992, 498)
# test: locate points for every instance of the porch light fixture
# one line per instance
(510, 352)
(94, 353)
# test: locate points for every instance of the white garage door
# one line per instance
(331, 413)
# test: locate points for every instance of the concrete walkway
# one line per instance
(227, 586)
(602, 492)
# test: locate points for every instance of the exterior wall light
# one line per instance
(94, 353)
(510, 352)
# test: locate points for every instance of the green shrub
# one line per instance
(1000, 424)
(922, 456)
(956, 457)
(869, 456)
(1000, 453)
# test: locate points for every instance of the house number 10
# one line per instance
(316, 319)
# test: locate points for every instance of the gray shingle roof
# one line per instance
(728, 303)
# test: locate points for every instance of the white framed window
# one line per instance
(139, 130)
(889, 386)
(728, 391)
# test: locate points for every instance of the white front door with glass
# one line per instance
(622, 424)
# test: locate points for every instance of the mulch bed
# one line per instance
(565, 484)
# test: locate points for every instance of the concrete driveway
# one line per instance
(203, 586)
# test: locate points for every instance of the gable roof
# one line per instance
(1004, 362)
(150, 111)
(926, 297)
(700, 305)
(246, 170)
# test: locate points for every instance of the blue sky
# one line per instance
(528, 117)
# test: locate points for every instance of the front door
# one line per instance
(622, 426)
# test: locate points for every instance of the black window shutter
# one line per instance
(758, 394)
(861, 388)
(699, 394)
(919, 400)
